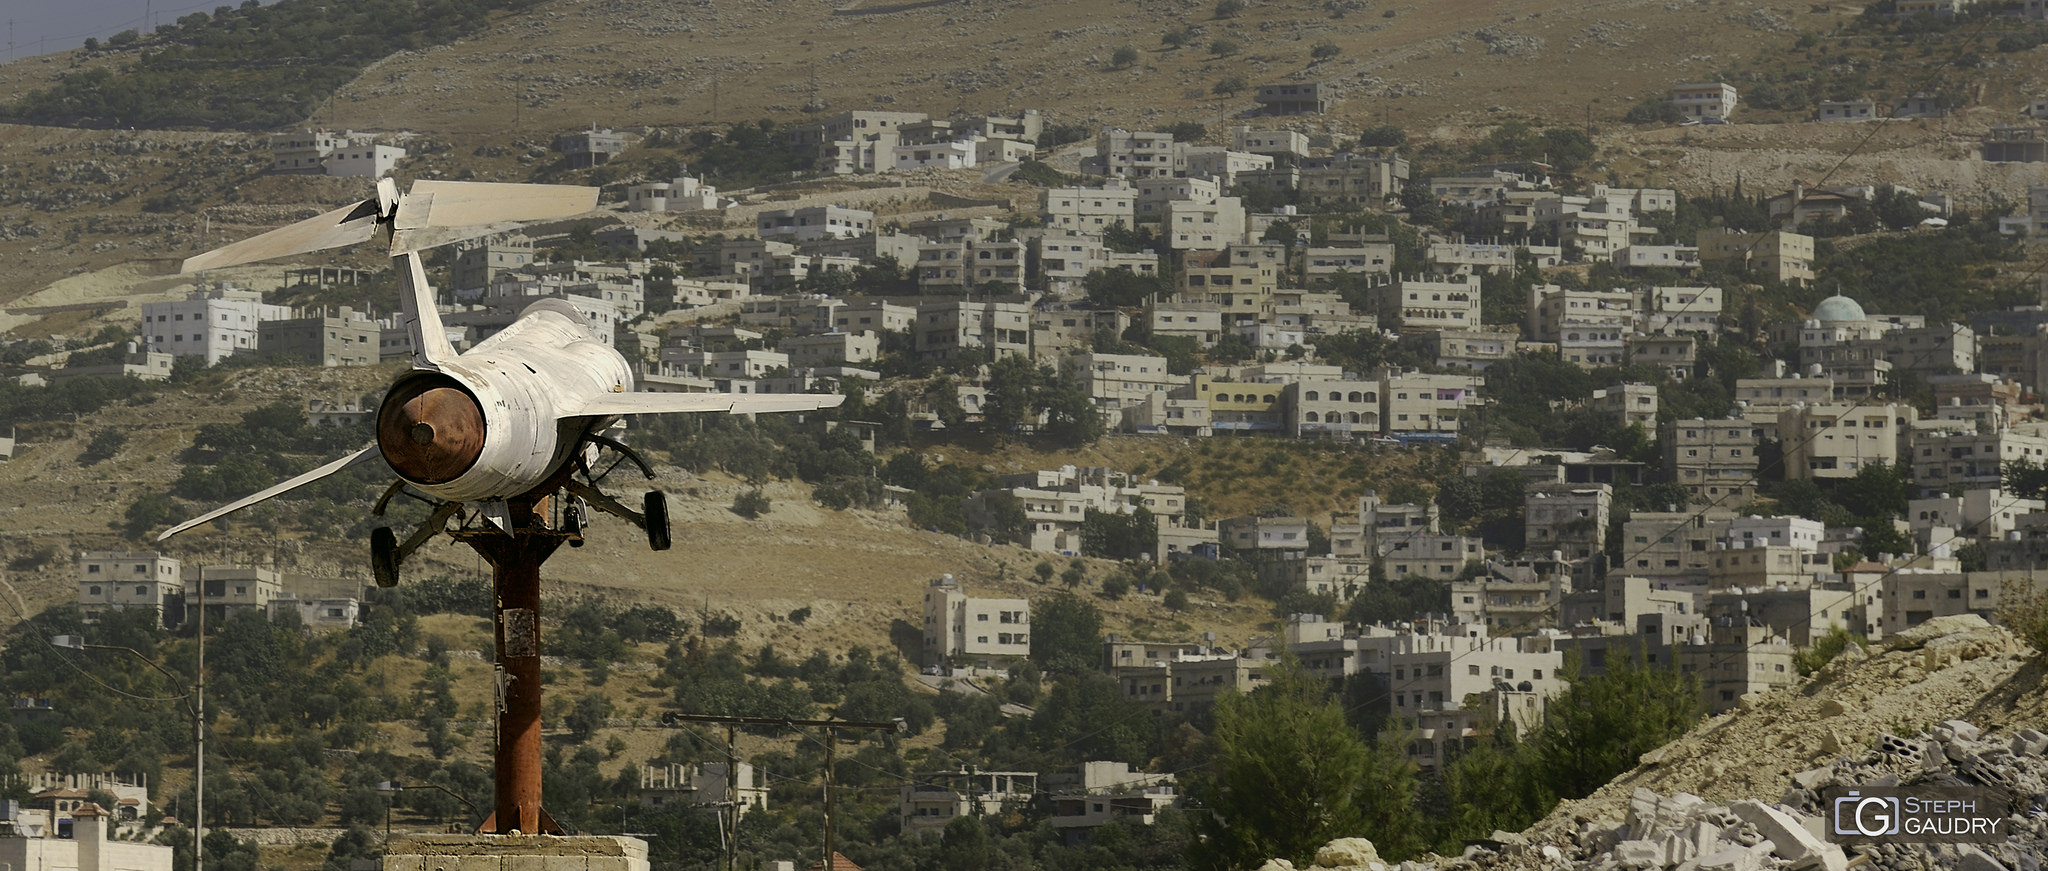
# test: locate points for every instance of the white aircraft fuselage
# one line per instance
(493, 423)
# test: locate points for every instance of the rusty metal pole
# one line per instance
(515, 560)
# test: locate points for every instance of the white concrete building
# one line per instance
(34, 844)
(1704, 99)
(1194, 226)
(1111, 791)
(1835, 440)
(1089, 210)
(986, 633)
(812, 223)
(960, 154)
(685, 194)
(209, 324)
(117, 580)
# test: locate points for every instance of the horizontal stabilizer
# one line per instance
(362, 456)
(685, 403)
(437, 213)
(344, 226)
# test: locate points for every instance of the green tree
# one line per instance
(1229, 8)
(1013, 383)
(1600, 726)
(1324, 50)
(1292, 775)
(1225, 48)
(1123, 57)
(1228, 86)
(1066, 634)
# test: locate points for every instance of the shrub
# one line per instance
(1176, 37)
(1324, 51)
(1123, 57)
(1229, 8)
(1229, 86)
(1224, 47)
(1116, 585)
(1383, 136)
(751, 504)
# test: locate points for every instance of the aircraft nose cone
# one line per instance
(430, 430)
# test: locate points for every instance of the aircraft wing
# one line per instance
(683, 403)
(362, 456)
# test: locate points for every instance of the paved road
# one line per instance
(967, 686)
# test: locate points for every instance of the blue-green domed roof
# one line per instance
(1838, 310)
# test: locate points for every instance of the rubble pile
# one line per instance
(1744, 791)
(1684, 832)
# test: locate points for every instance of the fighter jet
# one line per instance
(526, 412)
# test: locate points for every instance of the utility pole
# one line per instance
(831, 728)
(831, 746)
(199, 718)
(732, 798)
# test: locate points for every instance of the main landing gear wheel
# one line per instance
(656, 510)
(384, 556)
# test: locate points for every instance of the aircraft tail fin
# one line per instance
(430, 346)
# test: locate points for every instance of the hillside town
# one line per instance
(1761, 471)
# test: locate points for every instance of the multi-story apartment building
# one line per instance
(1676, 356)
(1683, 310)
(1269, 142)
(1472, 349)
(1200, 321)
(116, 580)
(1704, 99)
(1135, 154)
(1427, 406)
(209, 324)
(479, 261)
(1115, 380)
(1960, 518)
(1959, 458)
(1111, 792)
(1419, 304)
(1631, 402)
(1332, 408)
(1713, 460)
(934, 798)
(1188, 225)
(1090, 210)
(1241, 288)
(874, 316)
(344, 338)
(1777, 255)
(1352, 179)
(986, 633)
(1570, 518)
(944, 329)
(1671, 546)
(811, 223)
(1835, 440)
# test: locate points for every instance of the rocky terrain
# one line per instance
(1954, 701)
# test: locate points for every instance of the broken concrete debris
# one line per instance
(1684, 832)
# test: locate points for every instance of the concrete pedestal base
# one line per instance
(515, 853)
